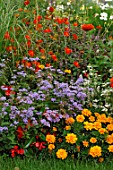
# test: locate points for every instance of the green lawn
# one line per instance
(51, 164)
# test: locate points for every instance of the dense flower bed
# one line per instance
(56, 83)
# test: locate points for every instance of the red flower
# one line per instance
(111, 85)
(28, 43)
(20, 151)
(87, 27)
(54, 57)
(27, 37)
(76, 64)
(75, 37)
(68, 50)
(75, 24)
(7, 35)
(31, 53)
(51, 9)
(37, 19)
(20, 132)
(27, 2)
(111, 80)
(40, 145)
(48, 30)
(66, 33)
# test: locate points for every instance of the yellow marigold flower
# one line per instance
(50, 138)
(97, 125)
(93, 140)
(54, 129)
(80, 118)
(71, 138)
(41, 66)
(61, 154)
(67, 127)
(101, 159)
(51, 147)
(102, 131)
(109, 119)
(43, 57)
(70, 120)
(109, 139)
(88, 125)
(95, 151)
(91, 118)
(102, 118)
(109, 127)
(85, 143)
(110, 148)
(67, 71)
(96, 114)
(86, 112)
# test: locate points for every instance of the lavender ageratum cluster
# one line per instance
(43, 98)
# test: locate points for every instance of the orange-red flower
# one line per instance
(51, 9)
(76, 64)
(7, 35)
(75, 24)
(66, 33)
(31, 53)
(87, 27)
(48, 30)
(75, 37)
(68, 50)
(27, 2)
(37, 19)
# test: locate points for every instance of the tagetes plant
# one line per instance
(56, 82)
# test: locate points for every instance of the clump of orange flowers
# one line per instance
(87, 27)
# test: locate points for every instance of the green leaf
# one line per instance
(29, 142)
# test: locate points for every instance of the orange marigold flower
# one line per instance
(61, 154)
(71, 138)
(110, 148)
(93, 140)
(109, 139)
(51, 147)
(85, 143)
(91, 118)
(86, 112)
(80, 118)
(111, 80)
(70, 120)
(50, 138)
(87, 27)
(109, 119)
(67, 127)
(102, 118)
(102, 131)
(101, 159)
(109, 127)
(97, 125)
(54, 129)
(95, 151)
(96, 114)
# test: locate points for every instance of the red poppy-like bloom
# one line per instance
(31, 53)
(27, 37)
(76, 64)
(20, 151)
(99, 27)
(27, 2)
(75, 24)
(7, 35)
(68, 50)
(87, 27)
(75, 37)
(28, 43)
(111, 82)
(51, 9)
(54, 57)
(20, 132)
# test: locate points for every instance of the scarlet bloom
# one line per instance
(51, 9)
(75, 37)
(111, 80)
(20, 132)
(66, 33)
(27, 2)
(99, 27)
(31, 53)
(54, 57)
(48, 30)
(40, 145)
(76, 64)
(20, 151)
(27, 37)
(7, 35)
(68, 50)
(87, 27)
(75, 24)
(37, 19)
